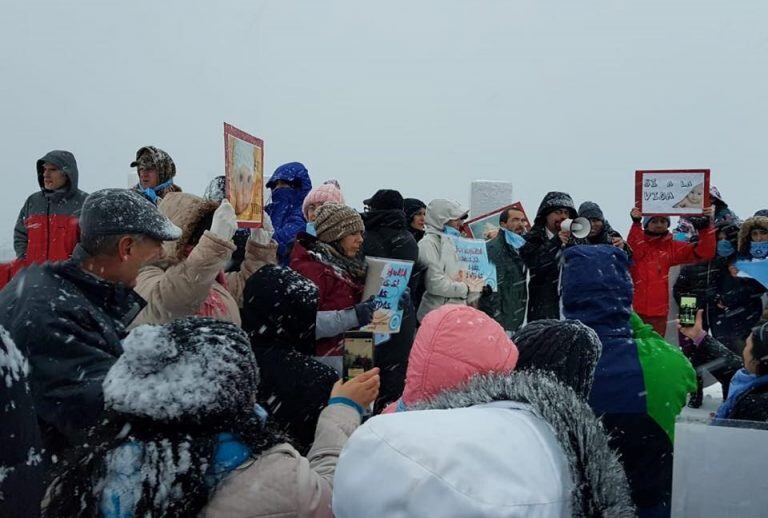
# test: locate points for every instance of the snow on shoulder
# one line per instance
(14, 367)
(187, 370)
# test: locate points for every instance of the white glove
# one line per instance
(263, 236)
(224, 223)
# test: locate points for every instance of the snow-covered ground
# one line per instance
(713, 398)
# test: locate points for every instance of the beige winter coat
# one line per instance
(176, 287)
(282, 483)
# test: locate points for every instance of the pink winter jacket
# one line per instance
(453, 344)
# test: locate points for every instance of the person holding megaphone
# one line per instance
(600, 232)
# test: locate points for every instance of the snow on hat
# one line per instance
(217, 189)
(567, 348)
(121, 211)
(385, 199)
(151, 157)
(334, 222)
(591, 210)
(329, 191)
(647, 219)
(188, 370)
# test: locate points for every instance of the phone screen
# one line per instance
(687, 310)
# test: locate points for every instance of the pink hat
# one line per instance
(329, 191)
(453, 344)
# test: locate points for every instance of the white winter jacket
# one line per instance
(438, 254)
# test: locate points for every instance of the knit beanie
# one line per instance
(321, 194)
(150, 157)
(334, 222)
(647, 219)
(567, 348)
(188, 371)
(591, 210)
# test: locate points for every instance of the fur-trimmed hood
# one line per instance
(186, 211)
(600, 484)
(746, 228)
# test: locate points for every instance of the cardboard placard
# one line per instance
(674, 192)
(387, 280)
(474, 262)
(485, 226)
(244, 172)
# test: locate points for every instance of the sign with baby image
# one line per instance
(675, 192)
(487, 226)
(244, 172)
(386, 281)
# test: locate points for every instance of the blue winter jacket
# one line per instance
(285, 207)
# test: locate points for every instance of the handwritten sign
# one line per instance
(387, 280)
(474, 262)
(672, 192)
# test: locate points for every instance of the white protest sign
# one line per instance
(672, 192)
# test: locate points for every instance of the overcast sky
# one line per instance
(421, 96)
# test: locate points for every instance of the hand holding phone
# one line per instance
(688, 307)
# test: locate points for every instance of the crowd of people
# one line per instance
(157, 360)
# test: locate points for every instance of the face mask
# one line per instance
(725, 248)
(680, 236)
(759, 250)
(451, 231)
(516, 241)
(311, 228)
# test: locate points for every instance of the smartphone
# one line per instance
(358, 353)
(688, 308)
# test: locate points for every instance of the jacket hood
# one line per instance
(600, 484)
(154, 157)
(746, 229)
(376, 219)
(280, 308)
(597, 288)
(552, 201)
(295, 174)
(411, 206)
(500, 445)
(65, 161)
(440, 212)
(185, 211)
(453, 344)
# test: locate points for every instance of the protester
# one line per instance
(541, 254)
(216, 191)
(654, 252)
(156, 172)
(68, 317)
(387, 236)
(47, 228)
(601, 232)
(748, 397)
(453, 344)
(21, 471)
(753, 238)
(280, 315)
(331, 261)
(328, 191)
(641, 382)
(444, 281)
(507, 304)
(290, 185)
(189, 279)
(415, 215)
(503, 444)
(566, 348)
(192, 444)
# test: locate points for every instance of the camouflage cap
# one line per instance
(151, 157)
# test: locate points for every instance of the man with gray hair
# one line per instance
(67, 320)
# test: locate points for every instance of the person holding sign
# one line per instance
(445, 281)
(654, 253)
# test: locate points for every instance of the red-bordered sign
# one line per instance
(672, 192)
(244, 172)
(480, 226)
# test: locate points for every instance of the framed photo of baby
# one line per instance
(487, 226)
(244, 172)
(675, 192)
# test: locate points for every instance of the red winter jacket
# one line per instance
(652, 258)
(337, 291)
(48, 225)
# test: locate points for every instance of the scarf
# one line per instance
(330, 255)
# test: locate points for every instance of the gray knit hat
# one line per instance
(334, 222)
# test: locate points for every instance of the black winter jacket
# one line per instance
(70, 323)
(752, 406)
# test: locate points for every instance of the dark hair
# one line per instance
(105, 245)
(200, 227)
(504, 216)
(760, 347)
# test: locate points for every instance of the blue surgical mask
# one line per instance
(725, 248)
(311, 230)
(680, 236)
(516, 241)
(451, 231)
(758, 250)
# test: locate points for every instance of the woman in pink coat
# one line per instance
(453, 344)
